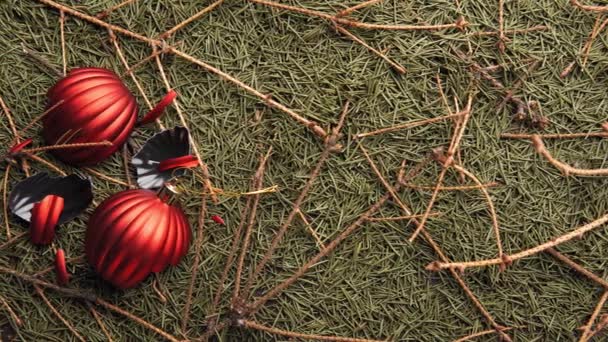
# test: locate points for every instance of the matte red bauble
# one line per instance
(96, 106)
(134, 233)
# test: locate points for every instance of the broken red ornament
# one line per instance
(46, 202)
(97, 106)
(217, 219)
(63, 277)
(135, 233)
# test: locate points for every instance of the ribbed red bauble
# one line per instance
(134, 233)
(96, 106)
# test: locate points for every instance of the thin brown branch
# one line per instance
(603, 323)
(202, 165)
(399, 218)
(196, 16)
(18, 321)
(596, 312)
(125, 165)
(592, 8)
(400, 69)
(157, 290)
(460, 23)
(602, 134)
(331, 145)
(47, 163)
(409, 125)
(64, 56)
(563, 167)
(580, 269)
(103, 327)
(357, 7)
(66, 146)
(147, 59)
(596, 31)
(107, 12)
(195, 264)
(11, 122)
(313, 126)
(453, 188)
(579, 231)
(427, 236)
(311, 230)
(484, 191)
(89, 297)
(5, 201)
(57, 314)
(257, 185)
(509, 32)
(41, 62)
(501, 26)
(479, 334)
(106, 177)
(292, 335)
(39, 117)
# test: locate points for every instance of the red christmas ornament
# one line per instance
(45, 216)
(96, 106)
(134, 233)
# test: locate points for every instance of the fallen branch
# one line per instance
(291, 334)
(563, 167)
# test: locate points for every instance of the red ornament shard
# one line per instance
(134, 233)
(45, 215)
(185, 162)
(63, 276)
(96, 106)
(217, 219)
(158, 110)
(20, 146)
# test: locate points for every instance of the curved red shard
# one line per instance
(158, 110)
(20, 146)
(63, 277)
(185, 162)
(45, 215)
(218, 219)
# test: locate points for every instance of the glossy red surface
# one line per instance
(97, 106)
(134, 233)
(45, 215)
(63, 276)
(184, 162)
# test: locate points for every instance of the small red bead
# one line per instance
(217, 219)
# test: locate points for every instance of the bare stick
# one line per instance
(580, 231)
(357, 7)
(103, 327)
(555, 135)
(145, 60)
(600, 326)
(459, 24)
(125, 165)
(563, 167)
(596, 312)
(294, 335)
(580, 269)
(195, 265)
(491, 209)
(202, 165)
(501, 26)
(576, 3)
(509, 32)
(12, 313)
(331, 145)
(5, 201)
(478, 334)
(89, 297)
(312, 231)
(106, 177)
(138, 85)
(66, 146)
(399, 218)
(107, 12)
(313, 126)
(258, 182)
(191, 19)
(409, 125)
(596, 30)
(64, 55)
(47, 163)
(57, 314)
(453, 188)
(9, 116)
(400, 69)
